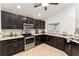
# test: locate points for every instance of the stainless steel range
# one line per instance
(29, 40)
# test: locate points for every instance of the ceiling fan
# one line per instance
(45, 7)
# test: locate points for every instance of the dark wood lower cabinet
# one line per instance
(19, 46)
(75, 49)
(60, 43)
(67, 48)
(15, 21)
(56, 42)
(37, 40)
(42, 38)
(1, 53)
(50, 40)
(13, 46)
(10, 47)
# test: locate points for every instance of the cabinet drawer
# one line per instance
(9, 49)
(30, 40)
(12, 41)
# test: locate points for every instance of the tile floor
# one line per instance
(42, 50)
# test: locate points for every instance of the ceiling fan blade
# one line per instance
(45, 8)
(54, 3)
(37, 5)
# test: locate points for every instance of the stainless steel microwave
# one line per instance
(27, 26)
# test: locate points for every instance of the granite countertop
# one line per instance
(51, 34)
(9, 38)
(74, 38)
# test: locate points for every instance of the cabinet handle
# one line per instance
(39, 39)
(69, 46)
(47, 39)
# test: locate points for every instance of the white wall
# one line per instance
(77, 15)
(66, 17)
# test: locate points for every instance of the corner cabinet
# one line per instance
(37, 40)
(56, 42)
(50, 40)
(10, 47)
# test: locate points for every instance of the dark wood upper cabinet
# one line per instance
(7, 20)
(14, 21)
(43, 24)
(39, 24)
(17, 22)
(34, 23)
(3, 21)
(29, 20)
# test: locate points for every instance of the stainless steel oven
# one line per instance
(29, 42)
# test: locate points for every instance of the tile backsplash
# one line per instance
(6, 32)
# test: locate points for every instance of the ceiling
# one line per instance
(27, 9)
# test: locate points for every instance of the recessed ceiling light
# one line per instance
(39, 14)
(44, 4)
(18, 6)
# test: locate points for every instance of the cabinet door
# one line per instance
(43, 24)
(9, 21)
(60, 43)
(22, 21)
(34, 24)
(9, 49)
(37, 40)
(20, 46)
(67, 48)
(29, 20)
(42, 38)
(3, 23)
(75, 49)
(50, 40)
(1, 51)
(16, 22)
(39, 24)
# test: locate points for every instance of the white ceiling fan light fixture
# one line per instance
(18, 7)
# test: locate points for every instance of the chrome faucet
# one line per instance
(11, 34)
